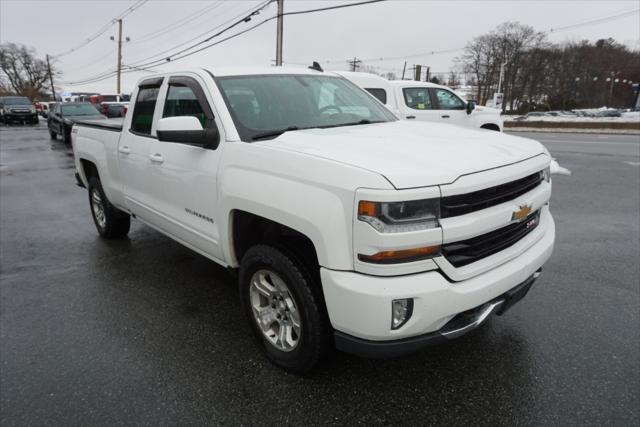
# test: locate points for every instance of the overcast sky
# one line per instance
(380, 30)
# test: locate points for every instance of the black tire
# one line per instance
(115, 223)
(66, 135)
(35, 120)
(53, 134)
(313, 342)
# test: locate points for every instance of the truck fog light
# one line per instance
(401, 311)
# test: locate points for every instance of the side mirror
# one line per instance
(470, 106)
(187, 130)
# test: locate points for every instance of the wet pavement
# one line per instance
(144, 331)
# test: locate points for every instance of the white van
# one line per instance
(424, 101)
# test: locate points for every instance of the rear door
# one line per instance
(184, 177)
(137, 136)
(451, 108)
(417, 104)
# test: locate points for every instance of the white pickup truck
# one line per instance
(428, 102)
(347, 226)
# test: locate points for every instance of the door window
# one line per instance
(447, 100)
(417, 98)
(143, 109)
(182, 101)
(381, 94)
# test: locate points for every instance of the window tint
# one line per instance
(181, 101)
(417, 98)
(381, 94)
(143, 110)
(264, 103)
(448, 100)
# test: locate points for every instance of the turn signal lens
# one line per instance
(396, 257)
(367, 209)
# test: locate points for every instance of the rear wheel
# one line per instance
(110, 221)
(284, 308)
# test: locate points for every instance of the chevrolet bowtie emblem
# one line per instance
(521, 213)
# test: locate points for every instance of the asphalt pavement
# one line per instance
(145, 331)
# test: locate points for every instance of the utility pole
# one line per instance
(53, 91)
(119, 58)
(279, 34)
(354, 64)
(501, 75)
(417, 72)
(404, 69)
(426, 79)
(613, 74)
(119, 54)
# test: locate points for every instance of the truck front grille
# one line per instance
(467, 251)
(466, 203)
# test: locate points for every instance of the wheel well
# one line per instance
(249, 230)
(89, 169)
(490, 126)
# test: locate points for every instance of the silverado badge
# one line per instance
(521, 213)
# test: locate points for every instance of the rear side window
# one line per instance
(143, 109)
(381, 94)
(417, 98)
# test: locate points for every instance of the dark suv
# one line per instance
(17, 109)
(62, 117)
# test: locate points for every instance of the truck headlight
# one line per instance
(399, 217)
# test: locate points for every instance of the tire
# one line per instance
(53, 134)
(35, 120)
(66, 135)
(300, 299)
(110, 221)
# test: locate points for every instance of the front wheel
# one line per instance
(110, 222)
(284, 308)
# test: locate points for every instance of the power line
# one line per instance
(103, 29)
(246, 19)
(178, 24)
(594, 21)
(177, 55)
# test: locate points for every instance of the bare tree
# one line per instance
(26, 75)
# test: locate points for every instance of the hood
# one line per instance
(85, 118)
(411, 154)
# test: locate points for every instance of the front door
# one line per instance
(184, 177)
(450, 107)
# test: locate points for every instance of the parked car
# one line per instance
(63, 116)
(112, 109)
(423, 101)
(44, 109)
(17, 109)
(345, 225)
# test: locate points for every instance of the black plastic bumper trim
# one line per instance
(395, 348)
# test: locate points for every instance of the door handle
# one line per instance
(124, 150)
(411, 117)
(445, 116)
(156, 158)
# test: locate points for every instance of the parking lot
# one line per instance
(145, 331)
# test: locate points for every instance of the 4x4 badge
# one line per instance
(521, 213)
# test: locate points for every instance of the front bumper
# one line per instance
(13, 116)
(359, 305)
(461, 324)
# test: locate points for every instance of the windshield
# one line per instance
(17, 101)
(267, 105)
(79, 110)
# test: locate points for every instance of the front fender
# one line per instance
(310, 195)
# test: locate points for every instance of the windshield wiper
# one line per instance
(273, 133)
(361, 122)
